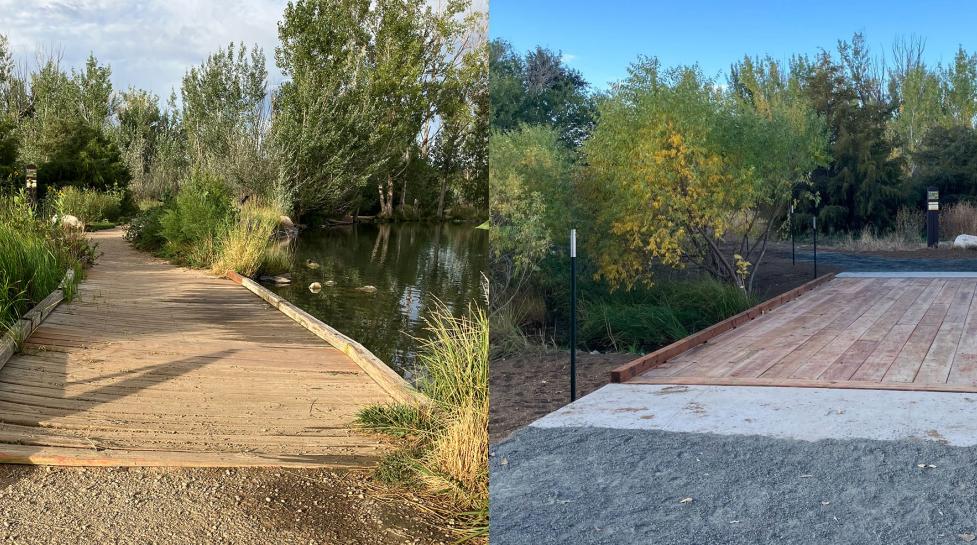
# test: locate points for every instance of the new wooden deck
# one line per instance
(908, 333)
(157, 365)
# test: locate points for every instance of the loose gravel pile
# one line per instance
(602, 486)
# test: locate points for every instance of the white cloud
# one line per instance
(567, 58)
(148, 44)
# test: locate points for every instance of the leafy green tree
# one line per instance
(960, 88)
(224, 116)
(324, 112)
(530, 189)
(862, 185)
(96, 102)
(947, 160)
(538, 89)
(8, 151)
(917, 92)
(82, 156)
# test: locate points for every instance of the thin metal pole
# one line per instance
(793, 253)
(815, 222)
(573, 315)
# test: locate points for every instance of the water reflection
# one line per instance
(410, 265)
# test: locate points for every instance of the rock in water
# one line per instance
(315, 287)
(329, 283)
(968, 242)
(367, 289)
(311, 264)
(278, 280)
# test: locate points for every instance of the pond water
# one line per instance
(411, 265)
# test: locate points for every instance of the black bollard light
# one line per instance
(932, 217)
(573, 315)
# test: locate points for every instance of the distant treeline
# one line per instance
(384, 110)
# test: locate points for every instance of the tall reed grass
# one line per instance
(247, 246)
(34, 257)
(445, 447)
(958, 219)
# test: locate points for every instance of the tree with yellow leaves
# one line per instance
(677, 161)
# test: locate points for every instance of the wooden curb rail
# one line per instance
(636, 367)
(387, 378)
(32, 319)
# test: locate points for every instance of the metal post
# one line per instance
(814, 221)
(790, 223)
(932, 217)
(573, 315)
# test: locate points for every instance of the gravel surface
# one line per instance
(147, 506)
(889, 261)
(600, 486)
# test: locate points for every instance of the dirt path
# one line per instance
(239, 506)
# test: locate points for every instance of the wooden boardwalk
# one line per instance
(156, 365)
(907, 333)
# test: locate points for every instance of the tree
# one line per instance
(960, 88)
(530, 189)
(538, 90)
(82, 156)
(324, 112)
(706, 161)
(862, 185)
(947, 160)
(8, 151)
(224, 116)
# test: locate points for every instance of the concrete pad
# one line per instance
(908, 274)
(808, 414)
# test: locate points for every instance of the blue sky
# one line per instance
(601, 38)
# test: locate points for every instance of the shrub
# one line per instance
(88, 205)
(958, 219)
(194, 220)
(145, 229)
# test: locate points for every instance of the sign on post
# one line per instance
(932, 217)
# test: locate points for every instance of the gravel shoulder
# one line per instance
(44, 505)
(602, 486)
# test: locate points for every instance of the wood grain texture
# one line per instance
(911, 333)
(152, 364)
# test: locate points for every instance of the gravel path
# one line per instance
(600, 486)
(145, 506)
(868, 262)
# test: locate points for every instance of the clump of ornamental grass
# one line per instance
(243, 247)
(444, 442)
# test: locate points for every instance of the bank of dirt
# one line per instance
(44, 505)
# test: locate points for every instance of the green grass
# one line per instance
(445, 443)
(34, 256)
(649, 318)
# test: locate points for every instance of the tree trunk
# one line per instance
(444, 188)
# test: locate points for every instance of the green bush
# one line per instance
(145, 229)
(89, 205)
(199, 213)
(649, 318)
